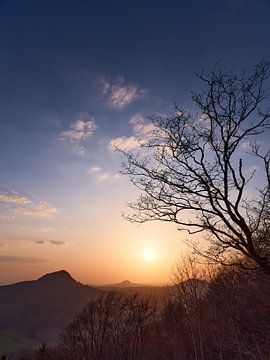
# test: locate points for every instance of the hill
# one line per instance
(123, 284)
(126, 287)
(38, 310)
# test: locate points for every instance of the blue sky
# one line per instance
(78, 78)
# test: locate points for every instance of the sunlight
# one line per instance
(149, 255)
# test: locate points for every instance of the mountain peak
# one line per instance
(61, 275)
(125, 283)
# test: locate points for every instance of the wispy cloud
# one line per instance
(94, 169)
(43, 209)
(141, 131)
(13, 198)
(124, 143)
(140, 127)
(40, 242)
(77, 149)
(20, 204)
(16, 237)
(57, 242)
(119, 94)
(21, 259)
(53, 242)
(79, 131)
(6, 217)
(102, 175)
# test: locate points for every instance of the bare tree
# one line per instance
(186, 306)
(195, 170)
(111, 327)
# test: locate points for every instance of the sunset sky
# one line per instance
(77, 78)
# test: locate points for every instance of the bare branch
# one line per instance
(194, 172)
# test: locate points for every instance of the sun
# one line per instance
(149, 255)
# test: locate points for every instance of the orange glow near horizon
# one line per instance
(96, 254)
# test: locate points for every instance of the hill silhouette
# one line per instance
(125, 283)
(40, 309)
(127, 287)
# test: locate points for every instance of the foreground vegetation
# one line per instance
(209, 314)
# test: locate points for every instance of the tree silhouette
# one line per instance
(111, 327)
(195, 170)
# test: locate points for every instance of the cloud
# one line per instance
(140, 127)
(101, 175)
(22, 237)
(14, 199)
(40, 241)
(43, 209)
(78, 149)
(25, 206)
(78, 132)
(203, 119)
(21, 259)
(4, 217)
(141, 131)
(124, 143)
(57, 242)
(120, 94)
(94, 169)
(107, 176)
(18, 237)
(53, 242)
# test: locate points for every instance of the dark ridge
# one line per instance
(39, 309)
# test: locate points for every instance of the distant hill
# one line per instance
(159, 293)
(40, 309)
(126, 287)
(123, 284)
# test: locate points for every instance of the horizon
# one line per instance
(120, 282)
(78, 80)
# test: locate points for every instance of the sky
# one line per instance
(78, 78)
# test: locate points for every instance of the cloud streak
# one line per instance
(57, 242)
(21, 259)
(14, 199)
(18, 237)
(43, 209)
